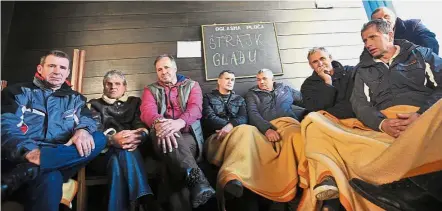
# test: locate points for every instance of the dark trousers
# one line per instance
(57, 164)
(126, 174)
(175, 163)
(179, 159)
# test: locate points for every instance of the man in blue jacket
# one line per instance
(47, 134)
(412, 30)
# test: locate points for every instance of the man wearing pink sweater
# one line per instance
(172, 107)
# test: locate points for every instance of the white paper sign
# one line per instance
(187, 49)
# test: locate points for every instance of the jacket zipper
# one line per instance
(171, 105)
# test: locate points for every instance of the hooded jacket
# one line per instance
(414, 77)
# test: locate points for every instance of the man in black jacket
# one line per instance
(412, 30)
(396, 72)
(118, 116)
(222, 111)
(329, 87)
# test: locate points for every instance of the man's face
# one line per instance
(226, 81)
(265, 81)
(54, 70)
(114, 87)
(166, 71)
(386, 15)
(377, 43)
(320, 61)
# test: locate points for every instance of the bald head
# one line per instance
(385, 14)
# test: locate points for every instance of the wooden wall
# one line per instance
(129, 35)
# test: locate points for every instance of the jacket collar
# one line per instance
(42, 84)
(216, 92)
(399, 27)
(180, 79)
(276, 86)
(337, 68)
(112, 101)
(405, 48)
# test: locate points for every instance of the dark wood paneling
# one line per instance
(107, 37)
(139, 65)
(92, 9)
(104, 52)
(129, 35)
(183, 19)
(7, 9)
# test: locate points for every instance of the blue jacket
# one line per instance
(265, 106)
(34, 116)
(414, 31)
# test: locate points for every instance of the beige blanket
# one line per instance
(266, 168)
(346, 149)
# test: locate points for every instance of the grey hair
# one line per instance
(172, 59)
(316, 49)
(265, 70)
(381, 25)
(112, 73)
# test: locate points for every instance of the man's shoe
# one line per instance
(326, 190)
(21, 174)
(234, 188)
(402, 195)
(200, 189)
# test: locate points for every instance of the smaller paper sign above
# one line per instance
(188, 49)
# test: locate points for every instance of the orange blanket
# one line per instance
(266, 168)
(347, 149)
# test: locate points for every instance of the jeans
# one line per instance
(127, 176)
(57, 164)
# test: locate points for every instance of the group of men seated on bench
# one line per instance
(50, 131)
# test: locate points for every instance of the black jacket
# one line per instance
(264, 106)
(120, 115)
(407, 81)
(414, 31)
(217, 113)
(335, 98)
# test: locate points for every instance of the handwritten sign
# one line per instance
(243, 48)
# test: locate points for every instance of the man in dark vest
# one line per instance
(171, 107)
(118, 116)
(412, 30)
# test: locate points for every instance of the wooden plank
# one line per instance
(108, 37)
(184, 19)
(92, 9)
(338, 53)
(275, 16)
(343, 4)
(316, 40)
(104, 52)
(319, 27)
(138, 65)
(101, 22)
